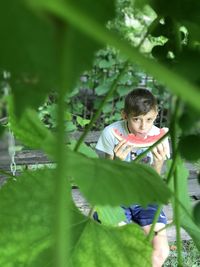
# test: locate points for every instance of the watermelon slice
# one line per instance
(138, 141)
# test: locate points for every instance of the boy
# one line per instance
(139, 114)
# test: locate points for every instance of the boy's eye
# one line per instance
(149, 119)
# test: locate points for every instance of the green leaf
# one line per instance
(189, 147)
(196, 213)
(188, 63)
(82, 121)
(110, 215)
(72, 39)
(178, 84)
(189, 9)
(100, 245)
(108, 107)
(112, 182)
(189, 120)
(84, 149)
(106, 64)
(70, 126)
(103, 88)
(27, 51)
(122, 91)
(94, 244)
(68, 116)
(186, 219)
(27, 216)
(30, 130)
(27, 211)
(47, 55)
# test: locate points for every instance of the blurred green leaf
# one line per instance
(110, 215)
(68, 116)
(84, 149)
(122, 91)
(187, 64)
(27, 217)
(94, 243)
(180, 9)
(103, 64)
(70, 126)
(186, 221)
(196, 213)
(103, 88)
(189, 121)
(27, 51)
(108, 107)
(47, 56)
(178, 84)
(189, 147)
(27, 211)
(81, 121)
(99, 243)
(115, 183)
(30, 130)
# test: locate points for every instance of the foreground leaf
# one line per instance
(178, 84)
(115, 182)
(26, 217)
(110, 215)
(27, 221)
(189, 147)
(104, 246)
(27, 51)
(31, 131)
(186, 219)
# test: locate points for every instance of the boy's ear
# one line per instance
(124, 115)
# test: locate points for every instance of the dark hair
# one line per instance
(139, 102)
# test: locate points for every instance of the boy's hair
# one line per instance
(139, 102)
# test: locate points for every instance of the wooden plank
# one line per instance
(91, 137)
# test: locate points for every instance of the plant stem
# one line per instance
(175, 181)
(98, 112)
(155, 219)
(170, 174)
(177, 221)
(140, 156)
(63, 187)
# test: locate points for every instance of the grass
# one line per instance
(191, 255)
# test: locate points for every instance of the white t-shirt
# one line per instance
(107, 141)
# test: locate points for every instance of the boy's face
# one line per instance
(142, 124)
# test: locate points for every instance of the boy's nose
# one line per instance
(143, 125)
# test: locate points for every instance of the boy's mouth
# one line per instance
(143, 135)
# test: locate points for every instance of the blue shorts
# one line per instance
(143, 216)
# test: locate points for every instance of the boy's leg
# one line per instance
(160, 244)
(144, 217)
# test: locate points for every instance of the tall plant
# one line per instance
(45, 45)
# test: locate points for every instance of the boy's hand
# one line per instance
(122, 150)
(159, 155)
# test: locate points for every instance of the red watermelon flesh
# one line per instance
(138, 141)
